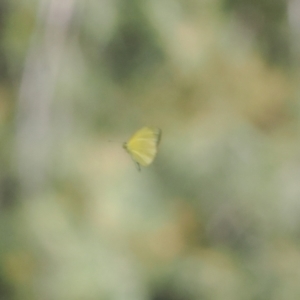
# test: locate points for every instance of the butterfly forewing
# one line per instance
(142, 146)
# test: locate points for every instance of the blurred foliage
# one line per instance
(217, 214)
(267, 20)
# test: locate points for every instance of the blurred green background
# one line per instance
(217, 215)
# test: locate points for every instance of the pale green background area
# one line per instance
(216, 216)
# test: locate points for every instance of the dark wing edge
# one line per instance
(159, 134)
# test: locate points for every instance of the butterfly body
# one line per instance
(142, 146)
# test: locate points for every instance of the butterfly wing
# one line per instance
(142, 146)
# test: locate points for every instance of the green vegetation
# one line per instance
(216, 216)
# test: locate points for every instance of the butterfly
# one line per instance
(142, 146)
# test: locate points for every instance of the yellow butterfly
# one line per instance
(142, 146)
